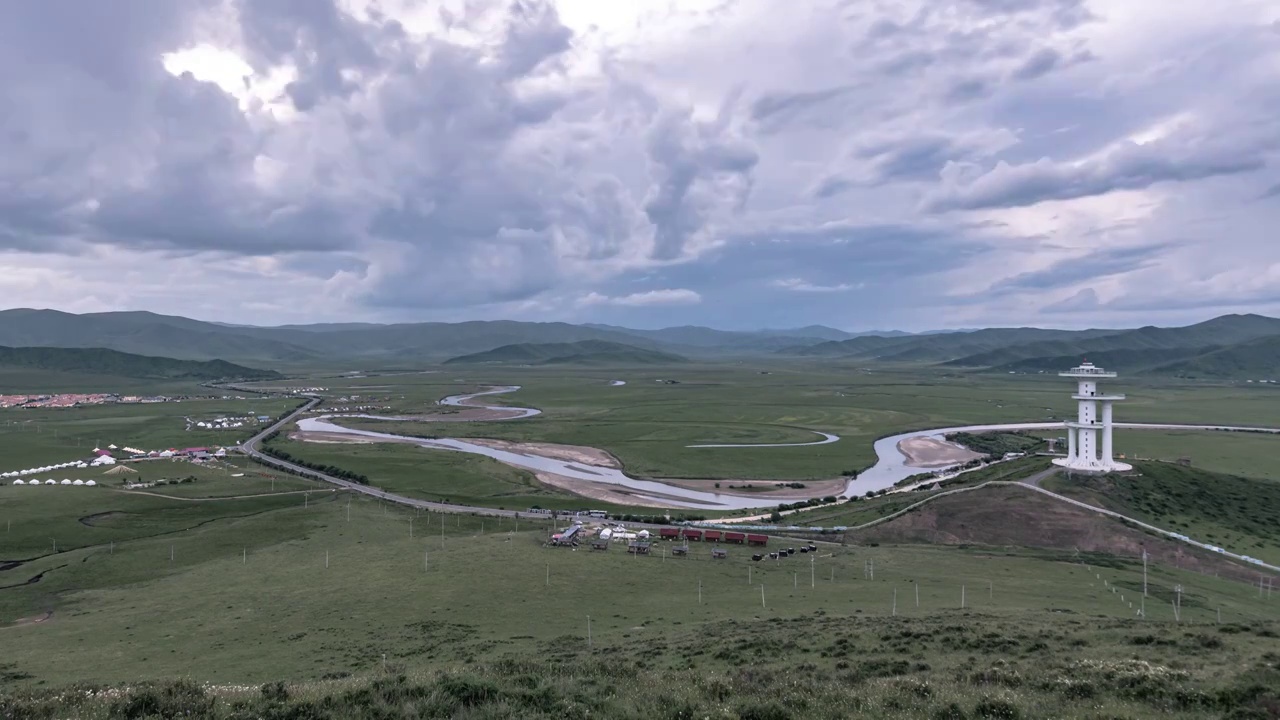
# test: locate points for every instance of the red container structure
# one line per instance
(761, 540)
(691, 534)
(713, 536)
(669, 533)
(735, 537)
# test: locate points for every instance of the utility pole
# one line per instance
(1144, 572)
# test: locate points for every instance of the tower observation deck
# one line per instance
(1089, 447)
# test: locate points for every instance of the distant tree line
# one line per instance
(332, 470)
(996, 444)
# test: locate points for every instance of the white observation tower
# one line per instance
(1089, 437)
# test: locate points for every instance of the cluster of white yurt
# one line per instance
(45, 469)
(51, 481)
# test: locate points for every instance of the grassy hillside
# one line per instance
(143, 334)
(587, 352)
(1225, 347)
(110, 362)
(1233, 512)
(337, 600)
(1256, 360)
(969, 665)
(941, 346)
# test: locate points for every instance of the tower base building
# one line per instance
(1089, 447)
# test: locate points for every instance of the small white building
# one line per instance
(19, 482)
(90, 482)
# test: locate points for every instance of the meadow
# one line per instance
(261, 588)
(361, 607)
(648, 423)
(37, 437)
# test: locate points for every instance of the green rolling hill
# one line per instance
(1225, 331)
(938, 347)
(100, 361)
(1255, 360)
(588, 352)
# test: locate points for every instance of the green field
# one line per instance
(340, 595)
(1248, 454)
(647, 424)
(237, 592)
(441, 475)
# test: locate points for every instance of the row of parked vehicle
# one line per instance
(785, 553)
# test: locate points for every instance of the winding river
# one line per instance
(890, 464)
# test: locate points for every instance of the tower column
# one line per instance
(1071, 443)
(1106, 432)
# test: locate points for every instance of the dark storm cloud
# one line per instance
(1095, 265)
(779, 108)
(1127, 166)
(1084, 300)
(1040, 63)
(692, 156)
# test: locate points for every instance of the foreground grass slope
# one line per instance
(966, 665)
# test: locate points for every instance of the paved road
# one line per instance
(250, 448)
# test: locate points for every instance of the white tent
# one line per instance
(65, 482)
(90, 482)
(104, 460)
(166, 453)
(78, 482)
(19, 482)
(111, 447)
(50, 482)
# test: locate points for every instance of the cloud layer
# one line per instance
(727, 162)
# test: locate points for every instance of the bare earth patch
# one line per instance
(1015, 517)
(927, 452)
(34, 620)
(336, 438)
(596, 491)
(764, 488)
(570, 453)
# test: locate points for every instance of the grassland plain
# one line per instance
(648, 423)
(1254, 455)
(442, 476)
(39, 437)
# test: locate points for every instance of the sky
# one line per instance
(863, 164)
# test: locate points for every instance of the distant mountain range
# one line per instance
(1225, 347)
(586, 352)
(99, 361)
(300, 345)
(1231, 346)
